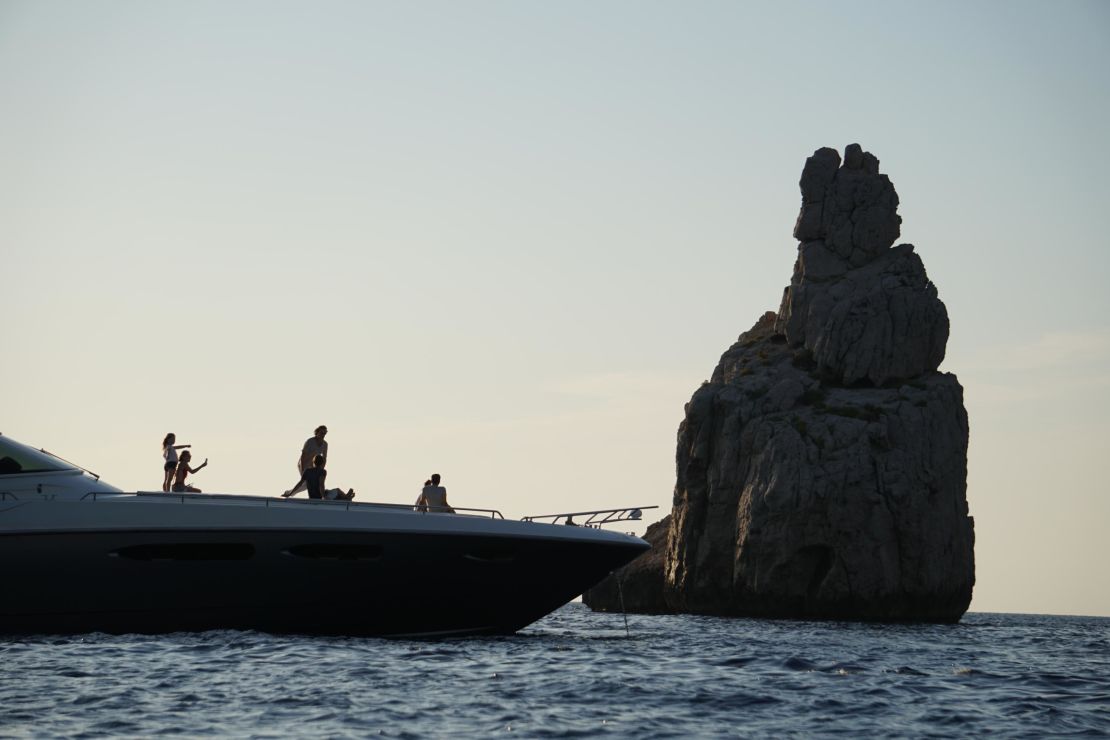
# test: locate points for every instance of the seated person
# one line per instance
(183, 470)
(434, 498)
(313, 480)
(419, 505)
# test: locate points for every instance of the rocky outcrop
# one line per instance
(821, 472)
(864, 311)
(799, 497)
(638, 586)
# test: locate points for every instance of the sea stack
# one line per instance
(822, 471)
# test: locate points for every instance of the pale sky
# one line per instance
(506, 241)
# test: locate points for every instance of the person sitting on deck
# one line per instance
(419, 505)
(313, 446)
(183, 470)
(313, 479)
(434, 498)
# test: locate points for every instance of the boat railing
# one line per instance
(595, 519)
(266, 501)
(70, 463)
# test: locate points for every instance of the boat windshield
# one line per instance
(16, 458)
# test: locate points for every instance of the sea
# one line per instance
(575, 673)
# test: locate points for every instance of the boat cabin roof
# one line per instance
(16, 458)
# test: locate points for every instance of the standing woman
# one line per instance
(183, 470)
(169, 453)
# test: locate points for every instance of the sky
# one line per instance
(506, 241)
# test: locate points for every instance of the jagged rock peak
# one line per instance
(850, 206)
(822, 471)
(865, 311)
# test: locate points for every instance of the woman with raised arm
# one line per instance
(183, 470)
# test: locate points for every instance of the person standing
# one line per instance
(313, 446)
(169, 454)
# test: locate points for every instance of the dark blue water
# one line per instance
(576, 674)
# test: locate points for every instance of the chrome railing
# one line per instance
(592, 518)
(265, 501)
(67, 462)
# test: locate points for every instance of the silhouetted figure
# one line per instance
(419, 506)
(313, 479)
(434, 498)
(313, 446)
(183, 470)
(169, 454)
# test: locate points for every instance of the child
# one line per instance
(183, 470)
(169, 452)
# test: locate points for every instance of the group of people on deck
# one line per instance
(433, 497)
(175, 470)
(311, 465)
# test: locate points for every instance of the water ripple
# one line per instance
(575, 674)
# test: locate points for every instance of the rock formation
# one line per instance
(640, 582)
(865, 311)
(821, 472)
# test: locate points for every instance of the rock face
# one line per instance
(863, 310)
(641, 581)
(821, 472)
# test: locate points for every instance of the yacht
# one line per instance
(80, 555)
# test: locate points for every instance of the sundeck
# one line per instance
(80, 555)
